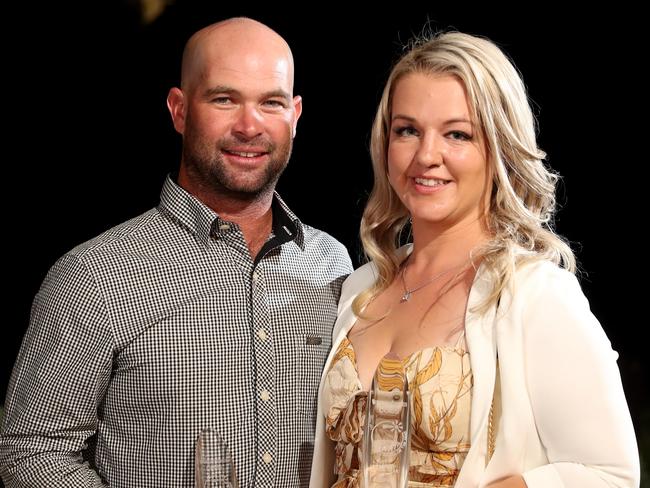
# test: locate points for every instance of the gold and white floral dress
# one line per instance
(440, 381)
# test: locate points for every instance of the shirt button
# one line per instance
(267, 458)
(265, 395)
(261, 334)
(256, 276)
(224, 227)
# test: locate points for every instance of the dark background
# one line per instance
(88, 140)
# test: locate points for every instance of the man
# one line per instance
(212, 311)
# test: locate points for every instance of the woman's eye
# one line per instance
(459, 135)
(405, 131)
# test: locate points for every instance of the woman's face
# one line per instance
(437, 159)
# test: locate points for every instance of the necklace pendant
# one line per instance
(405, 297)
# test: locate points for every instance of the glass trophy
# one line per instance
(213, 465)
(386, 436)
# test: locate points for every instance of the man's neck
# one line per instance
(255, 226)
(254, 216)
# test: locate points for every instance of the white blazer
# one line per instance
(563, 421)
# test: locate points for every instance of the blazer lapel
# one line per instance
(481, 342)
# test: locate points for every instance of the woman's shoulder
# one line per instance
(366, 275)
(547, 301)
(547, 288)
(542, 273)
(361, 279)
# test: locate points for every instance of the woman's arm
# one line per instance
(575, 390)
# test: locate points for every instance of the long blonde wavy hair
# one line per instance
(522, 204)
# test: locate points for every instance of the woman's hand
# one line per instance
(510, 482)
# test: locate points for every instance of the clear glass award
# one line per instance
(213, 465)
(386, 436)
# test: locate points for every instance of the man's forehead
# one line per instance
(278, 73)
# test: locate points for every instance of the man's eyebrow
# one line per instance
(229, 90)
(220, 89)
(277, 93)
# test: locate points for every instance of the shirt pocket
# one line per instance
(314, 349)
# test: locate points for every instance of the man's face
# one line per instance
(240, 119)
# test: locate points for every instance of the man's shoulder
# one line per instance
(312, 233)
(319, 239)
(124, 235)
(106, 255)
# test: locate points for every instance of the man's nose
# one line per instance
(249, 123)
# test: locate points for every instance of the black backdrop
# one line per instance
(88, 140)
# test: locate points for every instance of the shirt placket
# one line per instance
(263, 337)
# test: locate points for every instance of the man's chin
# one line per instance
(249, 190)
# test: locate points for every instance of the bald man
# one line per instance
(213, 310)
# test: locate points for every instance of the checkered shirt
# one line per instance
(162, 327)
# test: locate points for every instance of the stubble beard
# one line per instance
(207, 166)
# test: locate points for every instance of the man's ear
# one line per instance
(297, 108)
(176, 106)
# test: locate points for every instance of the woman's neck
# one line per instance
(436, 248)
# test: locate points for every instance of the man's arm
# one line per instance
(59, 379)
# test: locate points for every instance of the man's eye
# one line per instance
(221, 100)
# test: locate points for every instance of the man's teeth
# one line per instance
(245, 154)
(430, 182)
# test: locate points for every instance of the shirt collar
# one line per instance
(188, 211)
(285, 221)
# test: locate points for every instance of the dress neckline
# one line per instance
(346, 342)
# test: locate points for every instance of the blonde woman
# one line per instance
(482, 308)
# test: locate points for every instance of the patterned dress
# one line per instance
(440, 381)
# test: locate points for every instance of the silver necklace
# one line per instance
(408, 292)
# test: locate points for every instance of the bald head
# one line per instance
(236, 112)
(234, 44)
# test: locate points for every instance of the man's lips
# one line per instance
(250, 156)
(246, 152)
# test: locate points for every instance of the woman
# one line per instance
(483, 308)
